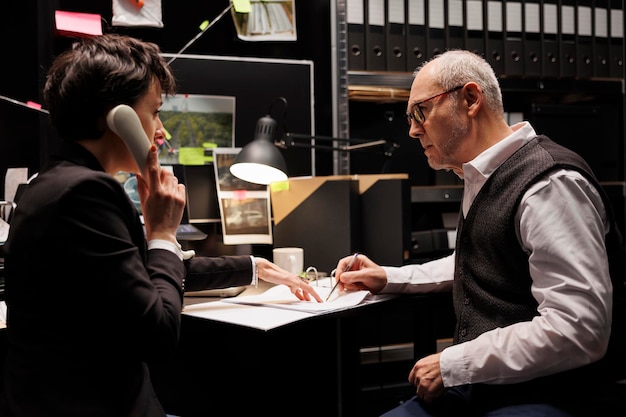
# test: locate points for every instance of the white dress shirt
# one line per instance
(561, 223)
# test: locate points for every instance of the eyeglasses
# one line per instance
(417, 114)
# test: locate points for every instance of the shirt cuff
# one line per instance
(255, 272)
(453, 366)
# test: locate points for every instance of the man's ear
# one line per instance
(473, 96)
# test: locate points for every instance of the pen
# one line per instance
(345, 270)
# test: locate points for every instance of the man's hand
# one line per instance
(364, 274)
(426, 376)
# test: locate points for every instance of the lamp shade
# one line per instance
(260, 161)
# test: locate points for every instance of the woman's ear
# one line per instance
(101, 122)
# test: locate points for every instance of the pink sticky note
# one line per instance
(33, 105)
(239, 194)
(78, 24)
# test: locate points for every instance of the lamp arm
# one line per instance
(284, 144)
(364, 145)
(288, 141)
(323, 138)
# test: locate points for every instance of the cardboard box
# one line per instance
(385, 218)
(318, 214)
(333, 216)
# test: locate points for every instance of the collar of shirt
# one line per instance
(477, 171)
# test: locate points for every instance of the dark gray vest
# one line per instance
(492, 282)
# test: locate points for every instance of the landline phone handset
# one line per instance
(123, 120)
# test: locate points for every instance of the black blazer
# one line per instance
(88, 304)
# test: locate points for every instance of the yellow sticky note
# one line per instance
(242, 6)
(279, 186)
(191, 156)
(204, 25)
(168, 136)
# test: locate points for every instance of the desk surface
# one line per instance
(259, 317)
(226, 363)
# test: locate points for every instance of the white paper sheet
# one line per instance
(270, 316)
(257, 317)
(281, 297)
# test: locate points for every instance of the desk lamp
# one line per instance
(261, 162)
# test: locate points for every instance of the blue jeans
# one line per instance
(457, 402)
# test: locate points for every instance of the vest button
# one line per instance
(463, 332)
(466, 301)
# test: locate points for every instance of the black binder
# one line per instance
(616, 39)
(601, 38)
(454, 24)
(436, 27)
(567, 38)
(549, 39)
(584, 33)
(415, 34)
(494, 42)
(532, 38)
(513, 43)
(474, 27)
(375, 45)
(396, 35)
(355, 17)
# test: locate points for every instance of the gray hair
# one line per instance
(458, 67)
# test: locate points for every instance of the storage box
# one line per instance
(333, 216)
(318, 214)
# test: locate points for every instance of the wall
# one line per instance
(24, 133)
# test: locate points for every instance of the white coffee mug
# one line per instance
(290, 259)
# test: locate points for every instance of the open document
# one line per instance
(277, 306)
(280, 296)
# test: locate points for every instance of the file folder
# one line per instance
(616, 39)
(584, 32)
(415, 34)
(513, 44)
(455, 24)
(567, 38)
(549, 39)
(355, 19)
(532, 38)
(396, 36)
(494, 42)
(601, 38)
(474, 27)
(436, 30)
(375, 55)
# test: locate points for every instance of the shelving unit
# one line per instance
(585, 113)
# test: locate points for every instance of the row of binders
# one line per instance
(527, 38)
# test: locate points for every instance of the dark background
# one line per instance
(584, 114)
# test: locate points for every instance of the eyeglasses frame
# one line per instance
(418, 115)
